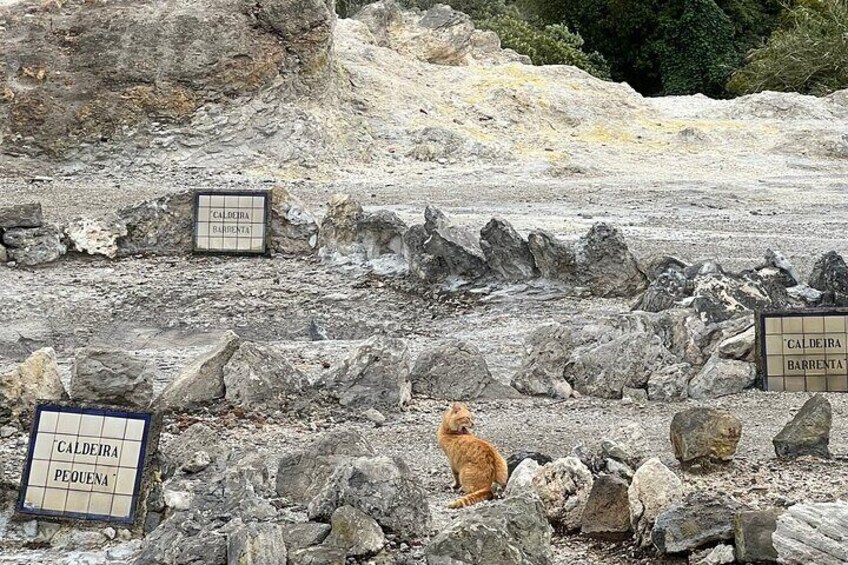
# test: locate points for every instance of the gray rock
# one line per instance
(318, 555)
(202, 381)
(21, 216)
(554, 258)
(4, 255)
(719, 296)
(303, 474)
(183, 449)
(158, 227)
(778, 260)
(112, 376)
(347, 229)
(719, 555)
(422, 265)
(7, 431)
(512, 531)
(547, 351)
(627, 441)
(704, 436)
(670, 383)
(521, 477)
(653, 489)
(604, 368)
(665, 291)
(96, 236)
(813, 533)
(34, 246)
(456, 247)
(697, 521)
(806, 295)
(198, 462)
(752, 532)
(656, 265)
(256, 544)
(564, 486)
(740, 346)
(720, 377)
(317, 331)
(381, 233)
(506, 252)
(830, 274)
(605, 264)
(257, 376)
(37, 378)
(384, 488)
(808, 433)
(607, 512)
(303, 535)
(379, 17)
(456, 371)
(183, 539)
(516, 458)
(354, 532)
(294, 230)
(374, 415)
(376, 375)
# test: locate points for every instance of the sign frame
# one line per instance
(760, 317)
(144, 469)
(266, 241)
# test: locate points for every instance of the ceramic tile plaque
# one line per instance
(85, 463)
(231, 222)
(804, 350)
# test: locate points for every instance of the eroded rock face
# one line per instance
(813, 533)
(348, 230)
(37, 378)
(808, 433)
(158, 227)
(294, 230)
(507, 253)
(830, 274)
(257, 376)
(97, 236)
(111, 376)
(34, 246)
(512, 531)
(457, 247)
(698, 520)
(564, 486)
(456, 371)
(80, 73)
(547, 351)
(720, 377)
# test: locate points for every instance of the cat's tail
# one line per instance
(473, 498)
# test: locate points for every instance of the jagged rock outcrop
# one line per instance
(456, 371)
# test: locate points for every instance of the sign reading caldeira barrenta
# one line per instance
(85, 464)
(804, 350)
(231, 222)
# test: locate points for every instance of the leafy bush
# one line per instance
(552, 45)
(809, 54)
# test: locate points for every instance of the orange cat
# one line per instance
(476, 464)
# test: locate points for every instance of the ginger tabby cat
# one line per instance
(476, 464)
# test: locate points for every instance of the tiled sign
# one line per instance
(85, 463)
(804, 350)
(230, 222)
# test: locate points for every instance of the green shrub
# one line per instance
(552, 45)
(809, 54)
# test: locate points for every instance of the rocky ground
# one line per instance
(541, 147)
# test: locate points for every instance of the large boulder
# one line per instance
(720, 377)
(37, 378)
(653, 489)
(303, 474)
(830, 274)
(703, 436)
(112, 376)
(202, 381)
(512, 531)
(456, 371)
(813, 533)
(554, 258)
(139, 72)
(457, 247)
(34, 246)
(257, 376)
(670, 383)
(294, 230)
(564, 486)
(739, 346)
(808, 433)
(506, 252)
(698, 520)
(355, 532)
(97, 236)
(376, 375)
(719, 296)
(384, 488)
(21, 216)
(547, 350)
(348, 230)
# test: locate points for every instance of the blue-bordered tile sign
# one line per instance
(231, 222)
(85, 464)
(803, 350)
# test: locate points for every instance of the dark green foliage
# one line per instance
(553, 45)
(809, 54)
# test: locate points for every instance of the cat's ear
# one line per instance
(456, 407)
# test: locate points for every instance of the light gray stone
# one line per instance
(202, 381)
(740, 346)
(96, 236)
(813, 533)
(719, 555)
(34, 246)
(547, 351)
(256, 544)
(653, 488)
(456, 371)
(37, 378)
(21, 216)
(294, 230)
(506, 252)
(720, 377)
(512, 531)
(257, 376)
(112, 376)
(564, 486)
(159, 227)
(670, 383)
(355, 532)
(303, 535)
(384, 488)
